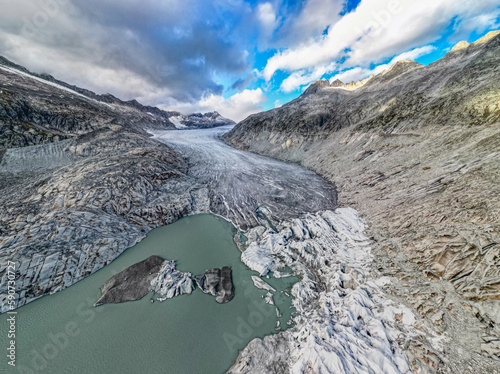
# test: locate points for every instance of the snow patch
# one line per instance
(177, 121)
(49, 83)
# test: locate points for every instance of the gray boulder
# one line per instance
(218, 283)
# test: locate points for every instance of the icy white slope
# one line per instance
(241, 182)
(171, 282)
(44, 81)
(345, 322)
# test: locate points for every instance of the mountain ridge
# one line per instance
(417, 155)
(30, 113)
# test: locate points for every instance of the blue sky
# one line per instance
(238, 57)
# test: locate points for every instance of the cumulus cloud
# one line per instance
(236, 107)
(311, 19)
(129, 48)
(479, 24)
(267, 19)
(358, 72)
(413, 54)
(304, 77)
(376, 30)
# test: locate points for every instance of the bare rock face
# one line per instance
(218, 283)
(131, 284)
(416, 152)
(325, 84)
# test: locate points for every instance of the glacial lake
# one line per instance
(64, 333)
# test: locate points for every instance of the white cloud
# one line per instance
(302, 77)
(237, 107)
(72, 69)
(479, 24)
(314, 17)
(376, 30)
(267, 18)
(413, 54)
(358, 72)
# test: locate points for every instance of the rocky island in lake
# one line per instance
(218, 283)
(160, 276)
(133, 283)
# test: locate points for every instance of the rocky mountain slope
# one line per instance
(80, 180)
(415, 149)
(200, 121)
(37, 108)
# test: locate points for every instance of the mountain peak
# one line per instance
(463, 44)
(394, 71)
(460, 45)
(315, 86)
(403, 66)
(487, 37)
(337, 83)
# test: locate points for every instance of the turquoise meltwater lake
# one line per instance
(65, 334)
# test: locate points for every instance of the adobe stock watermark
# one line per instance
(48, 9)
(12, 315)
(57, 341)
(380, 19)
(259, 313)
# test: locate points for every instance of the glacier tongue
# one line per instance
(245, 188)
(345, 322)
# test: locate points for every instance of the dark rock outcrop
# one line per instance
(130, 284)
(159, 275)
(218, 283)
